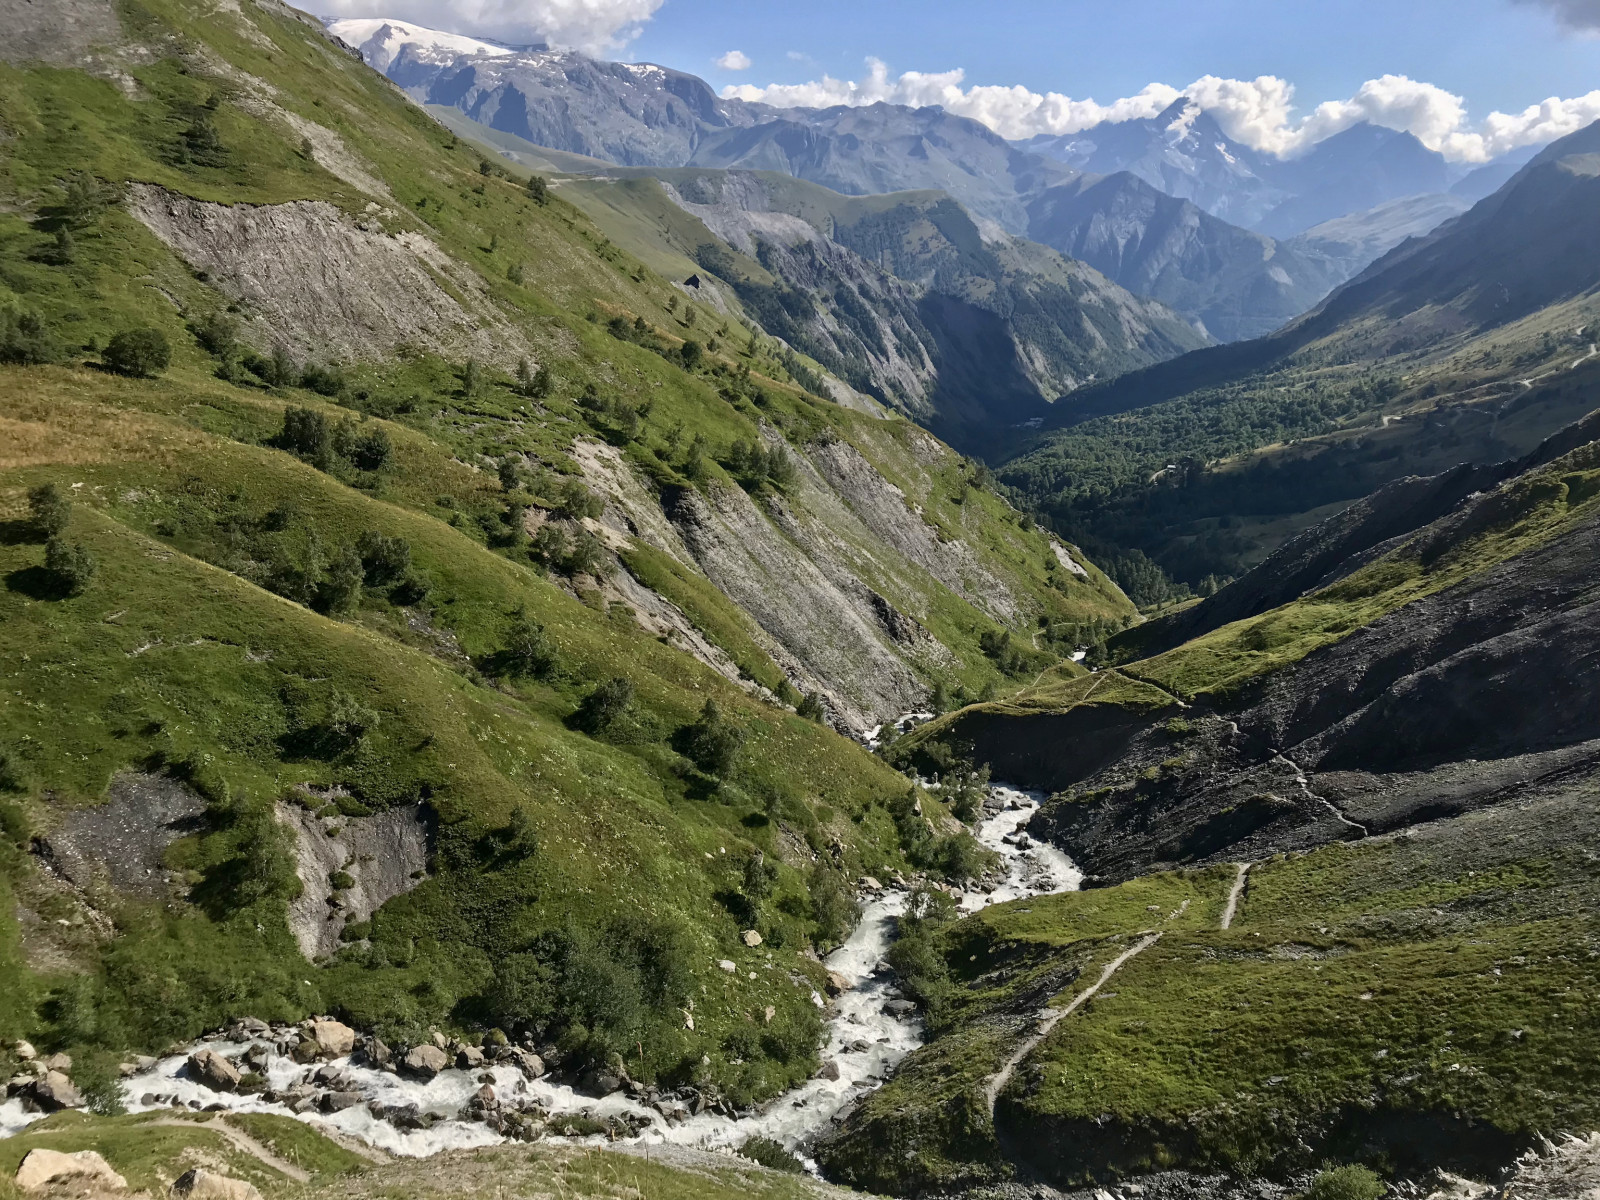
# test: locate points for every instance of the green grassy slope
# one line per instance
(1403, 1002)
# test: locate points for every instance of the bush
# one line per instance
(306, 434)
(70, 564)
(218, 334)
(350, 721)
(325, 381)
(1352, 1182)
(585, 556)
(340, 589)
(49, 510)
(384, 559)
(712, 742)
(576, 501)
(834, 908)
(811, 707)
(604, 707)
(772, 1155)
(141, 353)
(510, 474)
(25, 340)
(529, 650)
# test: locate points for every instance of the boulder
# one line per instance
(424, 1062)
(830, 1070)
(53, 1093)
(899, 1008)
(750, 938)
(332, 1102)
(767, 1014)
(373, 1053)
(837, 984)
(529, 1063)
(600, 1082)
(59, 1062)
(868, 883)
(334, 1039)
(136, 1065)
(25, 1051)
(469, 1058)
(44, 1167)
(728, 965)
(209, 1068)
(200, 1184)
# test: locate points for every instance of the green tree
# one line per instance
(834, 908)
(218, 334)
(25, 340)
(85, 199)
(307, 435)
(350, 722)
(528, 649)
(712, 742)
(65, 252)
(691, 352)
(138, 352)
(340, 590)
(539, 189)
(384, 559)
(371, 449)
(605, 706)
(70, 564)
(811, 707)
(49, 510)
(510, 473)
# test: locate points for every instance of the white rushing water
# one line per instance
(865, 1041)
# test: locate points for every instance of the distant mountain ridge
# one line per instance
(1222, 266)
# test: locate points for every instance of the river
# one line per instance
(865, 1040)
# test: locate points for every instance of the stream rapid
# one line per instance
(866, 1040)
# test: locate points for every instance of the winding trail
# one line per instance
(1051, 1017)
(240, 1140)
(1235, 895)
(1305, 786)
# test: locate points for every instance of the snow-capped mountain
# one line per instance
(381, 41)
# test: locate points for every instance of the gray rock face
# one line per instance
(121, 842)
(385, 854)
(311, 278)
(61, 32)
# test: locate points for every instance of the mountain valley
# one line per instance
(566, 635)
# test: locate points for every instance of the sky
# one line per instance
(1463, 75)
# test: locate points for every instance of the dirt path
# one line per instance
(1235, 895)
(1051, 1017)
(240, 1140)
(1305, 786)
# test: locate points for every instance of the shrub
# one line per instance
(371, 450)
(140, 353)
(218, 334)
(834, 909)
(510, 473)
(1351, 1182)
(49, 510)
(811, 707)
(585, 556)
(604, 706)
(539, 190)
(85, 199)
(772, 1155)
(340, 590)
(350, 721)
(70, 564)
(13, 778)
(712, 742)
(25, 340)
(325, 381)
(690, 353)
(576, 501)
(529, 650)
(202, 144)
(384, 559)
(306, 435)
(534, 384)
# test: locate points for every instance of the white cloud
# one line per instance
(593, 26)
(1583, 16)
(1258, 113)
(734, 60)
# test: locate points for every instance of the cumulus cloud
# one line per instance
(593, 26)
(1582, 16)
(734, 60)
(1259, 113)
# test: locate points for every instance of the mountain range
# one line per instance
(1205, 264)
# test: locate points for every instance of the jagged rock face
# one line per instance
(325, 286)
(383, 856)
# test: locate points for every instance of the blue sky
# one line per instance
(1499, 55)
(1277, 75)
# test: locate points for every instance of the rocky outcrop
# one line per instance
(327, 287)
(826, 628)
(349, 867)
(44, 1168)
(201, 1184)
(121, 843)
